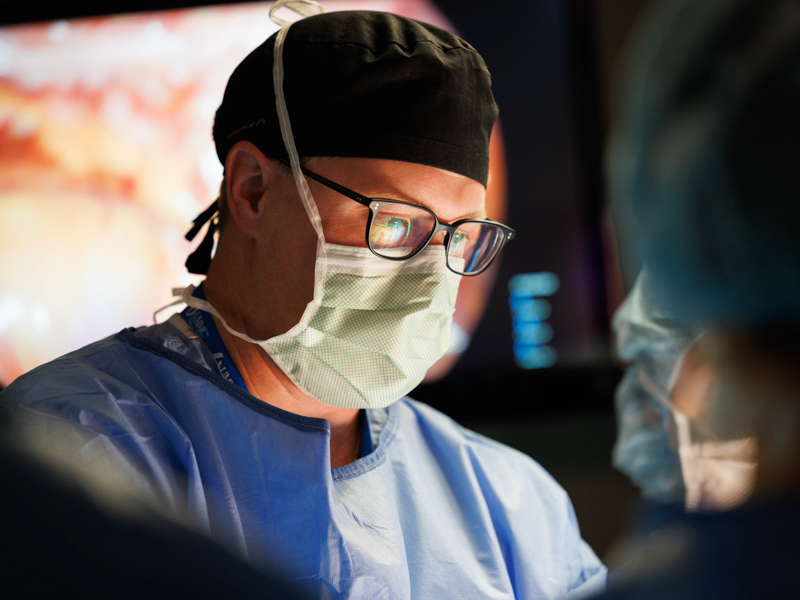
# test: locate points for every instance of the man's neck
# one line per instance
(267, 382)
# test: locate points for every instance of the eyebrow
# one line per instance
(478, 214)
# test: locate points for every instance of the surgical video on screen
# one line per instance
(106, 157)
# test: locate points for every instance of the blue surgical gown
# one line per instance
(435, 511)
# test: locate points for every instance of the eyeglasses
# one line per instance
(399, 230)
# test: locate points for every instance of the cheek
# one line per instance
(344, 222)
(692, 394)
(345, 233)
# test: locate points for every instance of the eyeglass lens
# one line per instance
(400, 230)
(476, 244)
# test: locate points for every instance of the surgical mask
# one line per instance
(380, 326)
(652, 346)
(374, 326)
(719, 475)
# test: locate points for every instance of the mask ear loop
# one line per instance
(301, 7)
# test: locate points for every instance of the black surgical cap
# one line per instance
(366, 85)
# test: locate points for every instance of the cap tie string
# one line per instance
(199, 260)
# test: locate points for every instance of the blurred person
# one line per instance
(704, 181)
(271, 411)
(662, 445)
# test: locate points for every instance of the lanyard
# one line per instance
(203, 325)
(366, 437)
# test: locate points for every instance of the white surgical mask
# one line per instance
(380, 326)
(719, 475)
(374, 326)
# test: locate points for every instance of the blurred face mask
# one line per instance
(652, 348)
(715, 474)
(719, 475)
(374, 326)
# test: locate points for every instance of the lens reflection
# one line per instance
(477, 244)
(400, 230)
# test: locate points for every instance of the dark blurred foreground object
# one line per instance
(705, 185)
(749, 552)
(57, 536)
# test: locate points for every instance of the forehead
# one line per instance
(450, 195)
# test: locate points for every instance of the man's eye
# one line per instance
(459, 237)
(389, 231)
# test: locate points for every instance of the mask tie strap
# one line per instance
(177, 294)
(302, 8)
(199, 260)
(186, 296)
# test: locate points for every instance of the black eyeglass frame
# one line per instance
(374, 204)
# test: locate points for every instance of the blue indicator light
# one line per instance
(533, 284)
(532, 333)
(535, 357)
(529, 311)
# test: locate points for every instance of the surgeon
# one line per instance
(271, 412)
(705, 187)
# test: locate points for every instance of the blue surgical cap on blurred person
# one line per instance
(705, 165)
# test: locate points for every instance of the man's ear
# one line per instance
(249, 176)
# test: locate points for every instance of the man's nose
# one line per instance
(438, 238)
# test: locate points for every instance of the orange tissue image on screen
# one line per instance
(106, 156)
